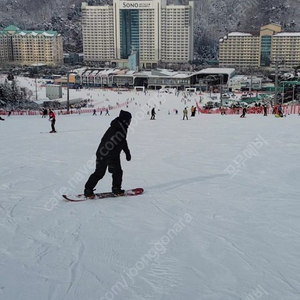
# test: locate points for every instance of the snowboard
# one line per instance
(47, 132)
(81, 197)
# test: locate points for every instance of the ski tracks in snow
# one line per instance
(76, 268)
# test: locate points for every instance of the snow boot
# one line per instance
(89, 194)
(117, 191)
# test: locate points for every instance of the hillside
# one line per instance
(213, 18)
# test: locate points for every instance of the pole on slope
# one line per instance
(221, 90)
(68, 92)
(276, 82)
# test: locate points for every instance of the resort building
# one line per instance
(260, 49)
(23, 47)
(152, 79)
(286, 49)
(157, 31)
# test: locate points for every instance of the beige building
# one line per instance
(97, 32)
(5, 47)
(260, 49)
(22, 47)
(159, 32)
(239, 49)
(286, 49)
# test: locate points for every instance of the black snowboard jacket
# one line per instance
(113, 141)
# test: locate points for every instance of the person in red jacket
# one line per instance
(52, 119)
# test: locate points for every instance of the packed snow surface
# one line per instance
(219, 219)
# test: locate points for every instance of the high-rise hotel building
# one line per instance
(260, 49)
(159, 32)
(23, 47)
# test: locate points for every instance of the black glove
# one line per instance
(128, 156)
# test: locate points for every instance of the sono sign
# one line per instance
(136, 5)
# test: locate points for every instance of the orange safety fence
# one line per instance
(64, 111)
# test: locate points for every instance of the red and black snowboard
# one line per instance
(81, 197)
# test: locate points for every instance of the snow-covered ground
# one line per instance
(219, 219)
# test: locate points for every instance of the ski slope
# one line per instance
(219, 219)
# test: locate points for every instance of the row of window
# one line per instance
(174, 55)
(175, 11)
(97, 23)
(256, 53)
(104, 13)
(89, 57)
(280, 39)
(98, 39)
(223, 61)
(170, 81)
(97, 15)
(173, 31)
(174, 38)
(98, 30)
(274, 46)
(291, 51)
(286, 47)
(238, 55)
(255, 46)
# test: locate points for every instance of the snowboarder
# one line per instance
(45, 113)
(244, 112)
(108, 155)
(193, 111)
(52, 119)
(280, 111)
(107, 112)
(185, 113)
(223, 111)
(265, 111)
(94, 112)
(153, 113)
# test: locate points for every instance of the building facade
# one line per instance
(260, 49)
(286, 48)
(97, 33)
(159, 32)
(151, 79)
(23, 47)
(239, 49)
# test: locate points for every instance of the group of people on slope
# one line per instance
(193, 112)
(185, 112)
(106, 112)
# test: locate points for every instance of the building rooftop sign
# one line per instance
(136, 4)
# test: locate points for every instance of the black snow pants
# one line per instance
(53, 125)
(114, 167)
